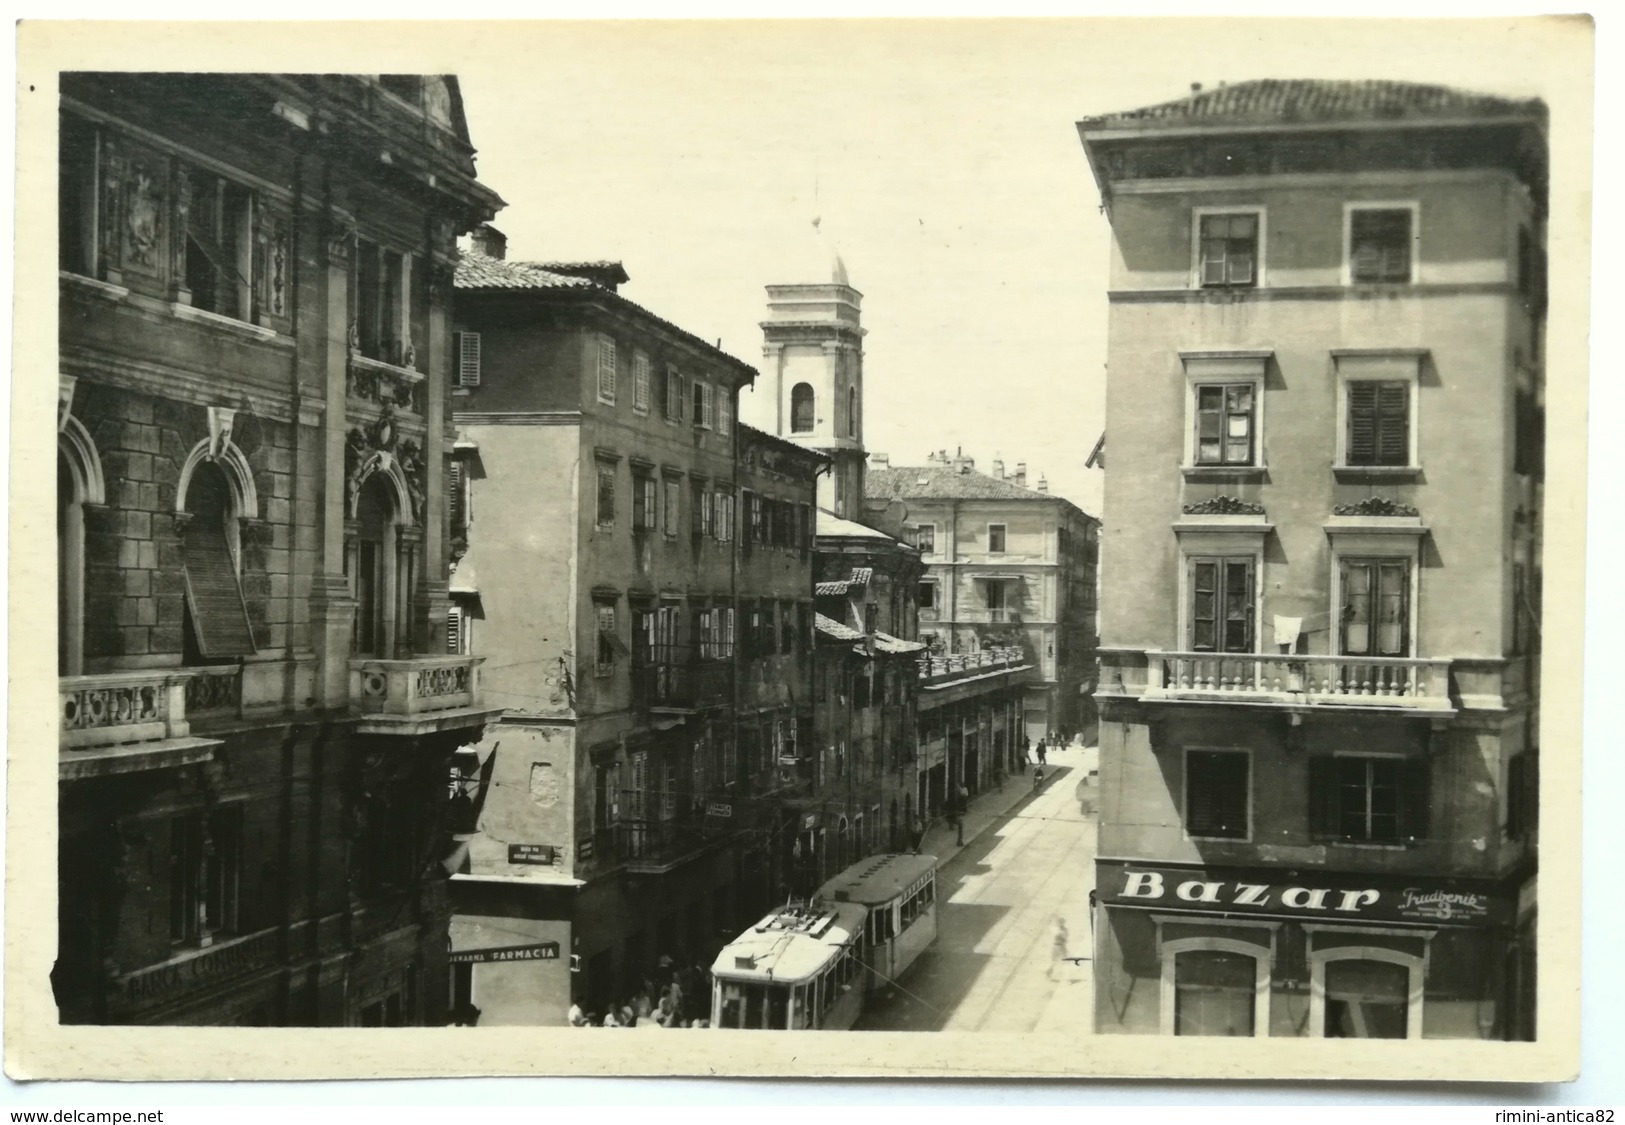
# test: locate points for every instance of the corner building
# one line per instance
(258, 709)
(638, 576)
(1321, 562)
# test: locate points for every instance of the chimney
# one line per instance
(489, 241)
(1020, 475)
(1043, 484)
(1196, 88)
(880, 460)
(998, 469)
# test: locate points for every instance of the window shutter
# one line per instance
(454, 631)
(606, 368)
(458, 519)
(1362, 435)
(1322, 798)
(468, 359)
(1393, 423)
(214, 595)
(1204, 604)
(1415, 799)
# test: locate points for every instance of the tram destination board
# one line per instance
(542, 951)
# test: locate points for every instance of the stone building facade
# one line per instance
(1322, 551)
(256, 713)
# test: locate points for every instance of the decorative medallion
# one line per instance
(1375, 506)
(1223, 506)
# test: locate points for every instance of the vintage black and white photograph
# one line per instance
(833, 526)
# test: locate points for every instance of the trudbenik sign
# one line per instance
(1311, 895)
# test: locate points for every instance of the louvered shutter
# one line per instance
(1204, 606)
(454, 631)
(468, 359)
(1362, 423)
(606, 368)
(458, 516)
(1322, 798)
(1416, 798)
(1393, 424)
(214, 595)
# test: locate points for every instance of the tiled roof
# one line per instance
(614, 271)
(1273, 101)
(831, 524)
(944, 482)
(477, 271)
(860, 576)
(885, 642)
(833, 628)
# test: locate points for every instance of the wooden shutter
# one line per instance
(1204, 606)
(606, 496)
(1238, 605)
(606, 368)
(1322, 798)
(1415, 798)
(1393, 424)
(214, 595)
(454, 630)
(468, 359)
(1362, 423)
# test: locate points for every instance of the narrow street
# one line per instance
(1027, 867)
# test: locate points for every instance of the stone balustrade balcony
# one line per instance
(1386, 683)
(417, 694)
(935, 670)
(123, 722)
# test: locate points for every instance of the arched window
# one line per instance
(216, 616)
(852, 412)
(1366, 992)
(1215, 986)
(78, 483)
(801, 408)
(371, 573)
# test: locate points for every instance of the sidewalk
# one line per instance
(991, 804)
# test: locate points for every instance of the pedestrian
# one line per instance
(1026, 749)
(1041, 758)
(1057, 947)
(577, 1017)
(919, 833)
(961, 807)
(1038, 778)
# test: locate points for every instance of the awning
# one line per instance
(885, 642)
(833, 628)
(464, 580)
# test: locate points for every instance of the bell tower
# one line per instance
(812, 357)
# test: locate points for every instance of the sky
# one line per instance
(943, 160)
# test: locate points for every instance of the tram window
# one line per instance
(778, 1009)
(733, 1006)
(753, 1007)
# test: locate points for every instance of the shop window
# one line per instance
(1365, 999)
(801, 408)
(1381, 244)
(205, 874)
(606, 370)
(1218, 794)
(606, 495)
(1221, 609)
(1364, 799)
(1379, 423)
(1228, 249)
(1225, 424)
(1376, 606)
(217, 616)
(1215, 992)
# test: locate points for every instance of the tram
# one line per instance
(811, 966)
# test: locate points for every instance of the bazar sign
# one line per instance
(1185, 889)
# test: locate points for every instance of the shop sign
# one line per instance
(542, 951)
(809, 821)
(716, 808)
(1377, 899)
(201, 969)
(584, 848)
(537, 854)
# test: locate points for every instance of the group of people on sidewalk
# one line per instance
(672, 996)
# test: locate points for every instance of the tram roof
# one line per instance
(877, 879)
(790, 945)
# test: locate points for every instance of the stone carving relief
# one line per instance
(1375, 506)
(142, 220)
(182, 220)
(1223, 506)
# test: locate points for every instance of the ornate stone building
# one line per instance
(257, 711)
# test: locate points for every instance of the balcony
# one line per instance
(124, 722)
(941, 671)
(683, 688)
(1381, 683)
(417, 695)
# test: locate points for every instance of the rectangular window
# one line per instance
(1214, 992)
(1222, 605)
(758, 531)
(1217, 787)
(1224, 424)
(723, 525)
(699, 509)
(674, 395)
(608, 640)
(995, 538)
(927, 595)
(925, 538)
(606, 369)
(205, 868)
(606, 495)
(674, 493)
(77, 184)
(645, 506)
(725, 412)
(704, 405)
(1362, 799)
(1376, 596)
(1229, 250)
(1379, 418)
(1380, 244)
(468, 359)
(787, 628)
(640, 382)
(220, 247)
